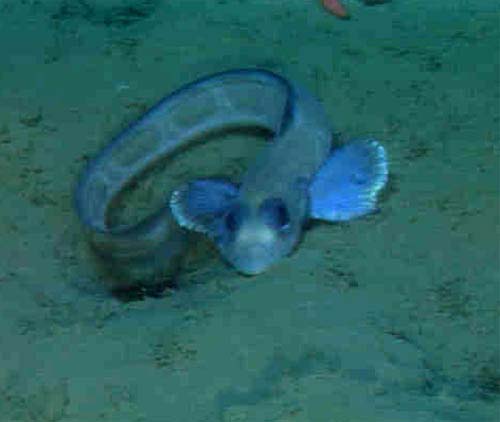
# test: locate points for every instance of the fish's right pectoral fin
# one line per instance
(197, 204)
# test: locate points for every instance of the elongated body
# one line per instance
(258, 222)
(253, 224)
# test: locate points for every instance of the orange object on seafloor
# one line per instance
(336, 7)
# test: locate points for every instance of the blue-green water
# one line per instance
(393, 317)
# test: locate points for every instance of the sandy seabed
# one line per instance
(394, 317)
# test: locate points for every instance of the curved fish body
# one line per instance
(259, 221)
(254, 223)
(297, 177)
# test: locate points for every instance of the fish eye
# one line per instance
(275, 213)
(233, 218)
(230, 221)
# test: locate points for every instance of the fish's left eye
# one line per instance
(232, 220)
(275, 213)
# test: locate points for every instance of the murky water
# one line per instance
(392, 317)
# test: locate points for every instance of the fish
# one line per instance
(254, 222)
(298, 177)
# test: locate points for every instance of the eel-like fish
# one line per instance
(253, 224)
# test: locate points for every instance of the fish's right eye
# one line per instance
(275, 213)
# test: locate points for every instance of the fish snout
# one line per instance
(255, 248)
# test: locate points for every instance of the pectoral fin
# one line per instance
(199, 203)
(347, 184)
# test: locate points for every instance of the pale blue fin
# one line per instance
(199, 203)
(347, 184)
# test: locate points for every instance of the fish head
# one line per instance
(252, 238)
(252, 229)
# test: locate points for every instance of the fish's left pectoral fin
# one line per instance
(348, 183)
(197, 204)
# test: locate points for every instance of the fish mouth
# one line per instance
(251, 269)
(254, 260)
